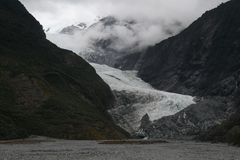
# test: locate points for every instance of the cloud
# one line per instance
(154, 18)
(60, 13)
(125, 35)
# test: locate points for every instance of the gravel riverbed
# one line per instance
(92, 150)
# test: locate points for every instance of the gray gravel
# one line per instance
(91, 150)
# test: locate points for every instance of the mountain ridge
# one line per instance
(203, 61)
(45, 90)
(188, 57)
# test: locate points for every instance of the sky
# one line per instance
(151, 16)
(60, 13)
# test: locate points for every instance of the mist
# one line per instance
(154, 20)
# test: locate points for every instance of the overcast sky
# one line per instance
(153, 17)
(59, 13)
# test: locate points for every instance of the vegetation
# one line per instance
(229, 131)
(45, 90)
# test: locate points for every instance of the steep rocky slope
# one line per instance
(45, 90)
(191, 121)
(228, 131)
(203, 60)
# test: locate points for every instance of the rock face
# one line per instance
(129, 62)
(193, 120)
(145, 121)
(45, 90)
(70, 30)
(228, 131)
(203, 60)
(108, 49)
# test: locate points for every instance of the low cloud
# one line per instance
(155, 19)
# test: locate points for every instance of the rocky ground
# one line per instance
(47, 149)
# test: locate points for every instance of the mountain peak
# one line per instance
(109, 20)
(72, 29)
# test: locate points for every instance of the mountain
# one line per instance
(228, 131)
(206, 52)
(70, 30)
(113, 41)
(45, 90)
(203, 60)
(191, 121)
(102, 47)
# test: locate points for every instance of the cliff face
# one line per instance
(228, 131)
(202, 60)
(45, 90)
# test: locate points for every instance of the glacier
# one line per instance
(136, 98)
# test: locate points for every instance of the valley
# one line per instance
(151, 82)
(52, 149)
(154, 81)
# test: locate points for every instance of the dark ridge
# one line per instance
(45, 90)
(204, 61)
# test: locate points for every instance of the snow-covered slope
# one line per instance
(70, 30)
(135, 98)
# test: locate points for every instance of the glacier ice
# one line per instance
(136, 98)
